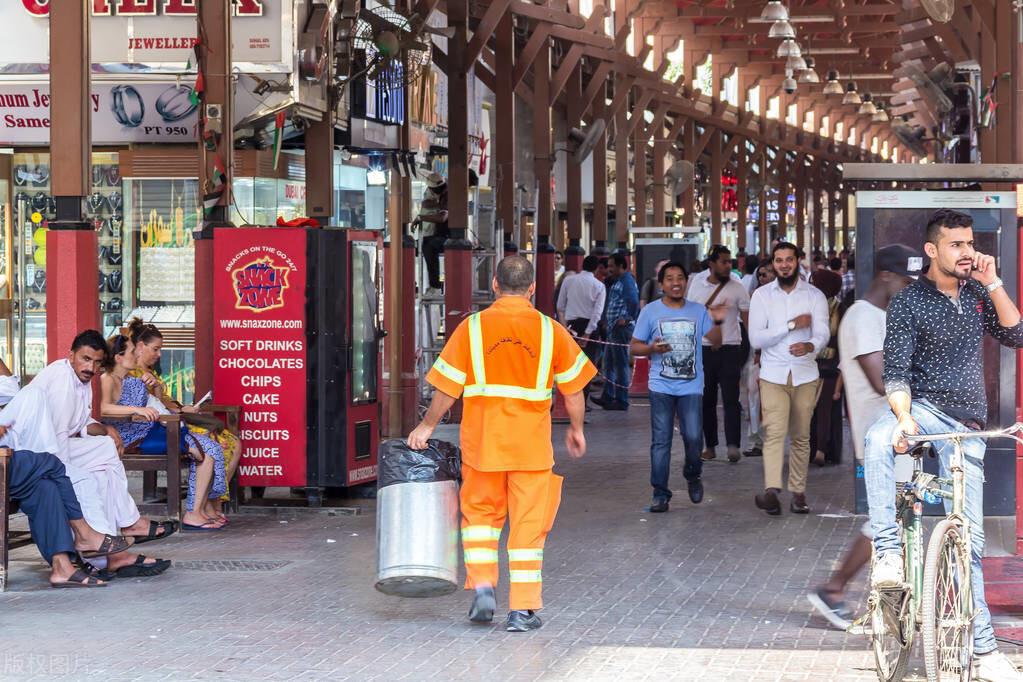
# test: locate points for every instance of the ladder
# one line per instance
(430, 312)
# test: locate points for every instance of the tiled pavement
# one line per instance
(708, 592)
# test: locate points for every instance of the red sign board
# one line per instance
(260, 348)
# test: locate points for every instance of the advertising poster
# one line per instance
(260, 349)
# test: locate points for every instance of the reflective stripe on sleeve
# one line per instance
(449, 372)
(480, 555)
(525, 555)
(480, 533)
(501, 391)
(476, 349)
(573, 371)
(516, 576)
(543, 373)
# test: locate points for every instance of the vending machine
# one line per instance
(297, 338)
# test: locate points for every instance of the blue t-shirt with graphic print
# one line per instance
(679, 371)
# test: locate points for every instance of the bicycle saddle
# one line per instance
(920, 449)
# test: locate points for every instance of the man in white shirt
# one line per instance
(788, 322)
(580, 306)
(860, 349)
(90, 450)
(722, 364)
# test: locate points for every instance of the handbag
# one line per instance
(205, 421)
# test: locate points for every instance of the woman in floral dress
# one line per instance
(126, 396)
(148, 342)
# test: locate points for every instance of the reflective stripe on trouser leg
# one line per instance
(484, 508)
(530, 514)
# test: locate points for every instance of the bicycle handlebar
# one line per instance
(1008, 432)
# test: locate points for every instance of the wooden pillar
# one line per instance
(845, 220)
(215, 67)
(716, 167)
(574, 176)
(71, 242)
(832, 206)
(504, 149)
(621, 173)
(689, 196)
(544, 261)
(661, 147)
(818, 242)
(784, 175)
(598, 229)
(741, 189)
(799, 188)
(319, 170)
(639, 170)
(458, 268)
(765, 245)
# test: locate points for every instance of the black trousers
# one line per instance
(721, 368)
(592, 350)
(433, 247)
(43, 491)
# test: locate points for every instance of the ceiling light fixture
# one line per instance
(851, 96)
(789, 47)
(781, 29)
(880, 116)
(774, 11)
(795, 62)
(867, 107)
(833, 87)
(809, 75)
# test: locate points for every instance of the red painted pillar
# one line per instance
(545, 276)
(72, 289)
(574, 255)
(407, 341)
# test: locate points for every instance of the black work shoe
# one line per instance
(754, 452)
(660, 504)
(523, 621)
(696, 491)
(615, 406)
(768, 501)
(598, 401)
(483, 606)
(798, 504)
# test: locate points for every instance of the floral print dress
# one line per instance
(134, 394)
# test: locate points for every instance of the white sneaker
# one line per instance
(994, 667)
(887, 571)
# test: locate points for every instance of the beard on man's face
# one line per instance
(787, 281)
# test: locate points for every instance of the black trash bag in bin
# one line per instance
(398, 463)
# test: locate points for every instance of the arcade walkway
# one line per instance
(711, 592)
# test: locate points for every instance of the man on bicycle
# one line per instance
(934, 380)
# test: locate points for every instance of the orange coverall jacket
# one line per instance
(504, 362)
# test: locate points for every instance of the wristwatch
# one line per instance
(994, 285)
(792, 325)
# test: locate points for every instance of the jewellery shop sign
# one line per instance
(149, 31)
(141, 112)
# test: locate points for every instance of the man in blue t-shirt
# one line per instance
(671, 331)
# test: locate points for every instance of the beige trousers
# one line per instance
(787, 410)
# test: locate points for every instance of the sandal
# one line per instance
(140, 569)
(96, 572)
(209, 525)
(169, 527)
(79, 579)
(111, 545)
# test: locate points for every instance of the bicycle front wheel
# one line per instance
(891, 633)
(947, 626)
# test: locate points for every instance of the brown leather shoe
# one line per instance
(798, 504)
(768, 501)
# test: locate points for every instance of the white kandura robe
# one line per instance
(69, 402)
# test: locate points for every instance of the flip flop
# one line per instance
(79, 579)
(140, 569)
(208, 526)
(111, 545)
(169, 528)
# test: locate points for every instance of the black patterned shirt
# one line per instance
(934, 346)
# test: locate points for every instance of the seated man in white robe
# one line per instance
(91, 453)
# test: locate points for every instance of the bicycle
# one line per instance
(937, 596)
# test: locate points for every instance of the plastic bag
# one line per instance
(399, 463)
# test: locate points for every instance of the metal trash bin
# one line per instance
(417, 519)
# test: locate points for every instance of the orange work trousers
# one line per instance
(530, 499)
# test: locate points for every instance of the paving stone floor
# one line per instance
(713, 592)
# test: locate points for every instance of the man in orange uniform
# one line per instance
(504, 362)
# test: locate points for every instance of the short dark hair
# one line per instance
(750, 266)
(116, 345)
(835, 263)
(89, 338)
(850, 262)
(784, 245)
(945, 217)
(671, 264)
(716, 251)
(590, 263)
(514, 275)
(620, 260)
(559, 253)
(605, 261)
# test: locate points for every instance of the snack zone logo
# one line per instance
(260, 285)
(105, 8)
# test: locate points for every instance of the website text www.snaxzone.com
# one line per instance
(261, 324)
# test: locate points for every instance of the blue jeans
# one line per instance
(879, 473)
(663, 408)
(617, 376)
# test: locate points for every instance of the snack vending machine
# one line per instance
(297, 341)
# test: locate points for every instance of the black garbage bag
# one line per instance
(399, 463)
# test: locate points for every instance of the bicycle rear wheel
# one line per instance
(891, 633)
(947, 625)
